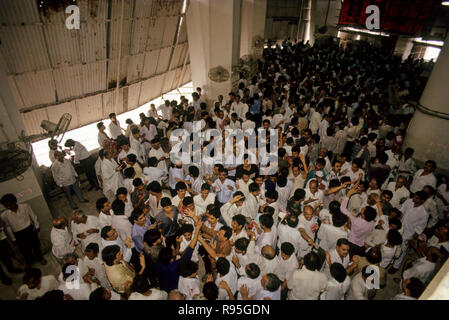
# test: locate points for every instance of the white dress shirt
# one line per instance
(286, 267)
(127, 252)
(48, 283)
(306, 285)
(419, 181)
(414, 219)
(336, 290)
(20, 220)
(81, 152)
(100, 273)
(112, 180)
(156, 294)
(115, 130)
(190, 287)
(63, 173)
(328, 236)
(91, 223)
(122, 225)
(254, 286)
(231, 279)
(105, 220)
(358, 289)
(398, 194)
(159, 153)
(222, 192)
(62, 242)
(421, 269)
(203, 203)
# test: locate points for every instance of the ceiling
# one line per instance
(53, 70)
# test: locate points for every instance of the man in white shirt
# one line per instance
(424, 177)
(22, 227)
(250, 280)
(400, 192)
(109, 237)
(226, 272)
(287, 261)
(224, 188)
(83, 157)
(414, 221)
(61, 239)
(157, 152)
(204, 198)
(329, 234)
(143, 291)
(85, 229)
(72, 285)
(412, 289)
(104, 211)
(114, 127)
(306, 283)
(165, 110)
(35, 285)
(111, 175)
(239, 107)
(102, 136)
(66, 178)
(338, 283)
(359, 290)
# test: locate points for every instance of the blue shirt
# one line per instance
(137, 234)
(255, 107)
(168, 275)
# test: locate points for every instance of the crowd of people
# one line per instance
(347, 207)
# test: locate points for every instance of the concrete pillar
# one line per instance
(253, 25)
(27, 186)
(213, 29)
(428, 134)
(403, 47)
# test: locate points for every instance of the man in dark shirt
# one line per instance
(167, 222)
(140, 195)
(167, 268)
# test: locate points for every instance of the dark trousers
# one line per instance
(5, 258)
(29, 245)
(88, 165)
(3, 277)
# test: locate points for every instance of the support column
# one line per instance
(213, 30)
(428, 132)
(253, 25)
(27, 186)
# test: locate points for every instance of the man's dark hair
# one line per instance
(165, 202)
(187, 227)
(272, 194)
(370, 214)
(228, 231)
(129, 172)
(121, 190)
(287, 248)
(100, 203)
(97, 294)
(210, 291)
(105, 231)
(223, 266)
(312, 261)
(8, 198)
(253, 187)
(338, 272)
(416, 287)
(92, 247)
(239, 219)
(342, 241)
(253, 271)
(118, 207)
(299, 194)
(266, 220)
(292, 220)
(339, 219)
(137, 182)
(152, 162)
(151, 236)
(273, 282)
(422, 195)
(180, 186)
(109, 254)
(394, 237)
(396, 222)
(241, 244)
(140, 285)
(187, 268)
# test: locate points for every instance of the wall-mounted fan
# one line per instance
(219, 74)
(15, 156)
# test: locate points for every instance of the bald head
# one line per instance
(176, 295)
(268, 252)
(60, 222)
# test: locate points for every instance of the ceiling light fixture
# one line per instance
(445, 3)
